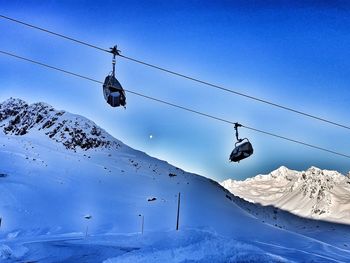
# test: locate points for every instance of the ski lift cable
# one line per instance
(178, 106)
(53, 33)
(239, 93)
(219, 87)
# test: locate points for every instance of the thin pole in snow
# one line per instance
(86, 232)
(178, 211)
(87, 217)
(142, 222)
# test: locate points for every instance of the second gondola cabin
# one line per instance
(243, 148)
(241, 151)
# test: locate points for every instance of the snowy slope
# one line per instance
(315, 193)
(58, 168)
(59, 158)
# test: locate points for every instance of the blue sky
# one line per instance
(293, 54)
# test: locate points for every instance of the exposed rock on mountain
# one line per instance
(73, 131)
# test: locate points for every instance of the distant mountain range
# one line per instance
(314, 193)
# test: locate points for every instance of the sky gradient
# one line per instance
(294, 54)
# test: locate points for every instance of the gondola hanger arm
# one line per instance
(236, 129)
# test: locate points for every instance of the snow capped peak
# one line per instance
(282, 172)
(282, 168)
(323, 175)
(314, 170)
(13, 101)
(10, 107)
(73, 131)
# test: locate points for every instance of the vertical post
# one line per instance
(178, 212)
(87, 217)
(86, 232)
(142, 222)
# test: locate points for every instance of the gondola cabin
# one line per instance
(241, 151)
(113, 92)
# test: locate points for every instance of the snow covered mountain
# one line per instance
(19, 118)
(63, 178)
(315, 193)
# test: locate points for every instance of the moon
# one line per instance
(151, 136)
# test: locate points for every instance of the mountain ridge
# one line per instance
(17, 117)
(314, 193)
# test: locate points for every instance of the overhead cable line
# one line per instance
(183, 75)
(178, 106)
(53, 33)
(238, 93)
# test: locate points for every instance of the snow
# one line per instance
(195, 246)
(315, 193)
(62, 168)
